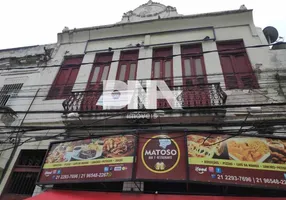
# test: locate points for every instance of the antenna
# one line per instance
(271, 34)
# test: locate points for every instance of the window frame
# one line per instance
(195, 49)
(158, 57)
(66, 65)
(18, 168)
(99, 57)
(134, 54)
(231, 49)
(10, 93)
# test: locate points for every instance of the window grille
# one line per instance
(9, 91)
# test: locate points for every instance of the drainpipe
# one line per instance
(18, 140)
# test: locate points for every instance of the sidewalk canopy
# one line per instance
(84, 195)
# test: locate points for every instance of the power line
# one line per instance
(206, 123)
(197, 108)
(147, 58)
(267, 70)
(136, 134)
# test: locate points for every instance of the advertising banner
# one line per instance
(161, 157)
(106, 158)
(240, 160)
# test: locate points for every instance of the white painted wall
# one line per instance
(144, 67)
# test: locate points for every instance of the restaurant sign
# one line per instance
(198, 157)
(161, 156)
(251, 161)
(104, 158)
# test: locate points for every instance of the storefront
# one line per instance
(176, 165)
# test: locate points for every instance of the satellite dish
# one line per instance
(271, 34)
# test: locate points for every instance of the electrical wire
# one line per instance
(30, 87)
(196, 54)
(207, 108)
(29, 141)
(136, 134)
(147, 58)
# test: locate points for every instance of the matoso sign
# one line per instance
(161, 156)
(244, 160)
(104, 158)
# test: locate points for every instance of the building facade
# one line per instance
(231, 82)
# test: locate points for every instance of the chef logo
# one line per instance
(160, 154)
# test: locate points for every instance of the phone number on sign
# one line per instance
(251, 179)
(83, 176)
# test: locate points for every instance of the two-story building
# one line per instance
(230, 83)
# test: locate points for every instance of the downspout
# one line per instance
(18, 140)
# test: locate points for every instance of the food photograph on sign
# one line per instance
(100, 158)
(250, 149)
(91, 149)
(237, 160)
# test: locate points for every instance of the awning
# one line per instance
(83, 195)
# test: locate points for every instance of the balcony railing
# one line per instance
(201, 95)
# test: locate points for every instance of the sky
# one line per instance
(36, 22)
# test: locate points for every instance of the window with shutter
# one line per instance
(9, 91)
(162, 69)
(127, 66)
(163, 64)
(193, 67)
(236, 67)
(99, 73)
(65, 79)
(195, 92)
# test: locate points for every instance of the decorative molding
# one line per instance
(19, 72)
(149, 10)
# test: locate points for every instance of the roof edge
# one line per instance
(228, 12)
(26, 47)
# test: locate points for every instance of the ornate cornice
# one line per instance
(149, 10)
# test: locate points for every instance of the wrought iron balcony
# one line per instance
(200, 95)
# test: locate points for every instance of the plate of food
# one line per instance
(275, 143)
(87, 152)
(57, 155)
(118, 146)
(248, 149)
(204, 147)
(278, 151)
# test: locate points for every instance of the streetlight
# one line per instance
(7, 115)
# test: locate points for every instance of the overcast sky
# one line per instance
(33, 22)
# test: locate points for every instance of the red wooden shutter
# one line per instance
(195, 89)
(99, 72)
(70, 82)
(238, 72)
(127, 66)
(193, 66)
(162, 68)
(65, 79)
(228, 71)
(163, 64)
